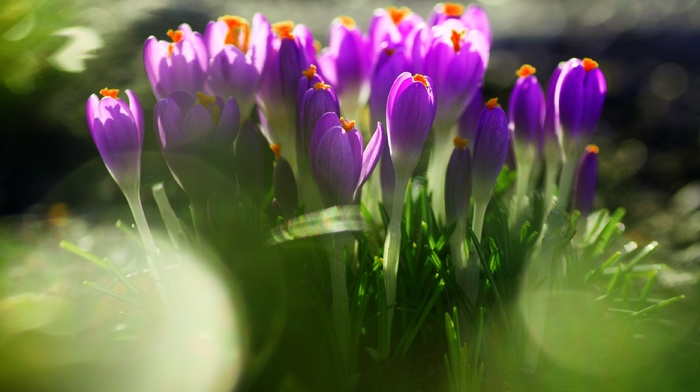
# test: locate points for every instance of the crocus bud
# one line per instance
(473, 17)
(490, 149)
(317, 101)
(117, 129)
(526, 114)
(309, 78)
(180, 65)
(339, 164)
(586, 180)
(199, 126)
(410, 111)
(345, 62)
(232, 72)
(458, 182)
(455, 60)
(579, 97)
(283, 184)
(550, 139)
(469, 119)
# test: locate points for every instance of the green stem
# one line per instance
(392, 249)
(566, 182)
(437, 166)
(199, 210)
(479, 213)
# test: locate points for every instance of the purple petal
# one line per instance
(136, 112)
(490, 149)
(229, 123)
(370, 157)
(336, 166)
(458, 185)
(526, 110)
(324, 124)
(586, 181)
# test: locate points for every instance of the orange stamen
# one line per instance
(462, 143)
(175, 35)
(526, 70)
(238, 33)
(347, 125)
(592, 148)
(389, 52)
(109, 92)
(420, 78)
(277, 149)
(456, 38)
(317, 45)
(492, 103)
(397, 14)
(589, 64)
(347, 21)
(309, 72)
(453, 9)
(284, 29)
(321, 85)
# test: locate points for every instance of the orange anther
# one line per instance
(238, 33)
(205, 100)
(389, 52)
(109, 92)
(347, 125)
(526, 70)
(462, 143)
(456, 39)
(309, 72)
(175, 35)
(589, 64)
(420, 78)
(453, 9)
(492, 103)
(321, 85)
(347, 21)
(397, 14)
(592, 148)
(277, 149)
(284, 29)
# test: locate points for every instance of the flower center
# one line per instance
(238, 33)
(309, 72)
(457, 39)
(420, 78)
(462, 143)
(284, 29)
(321, 85)
(277, 149)
(347, 21)
(589, 64)
(176, 36)
(109, 92)
(492, 103)
(453, 9)
(347, 125)
(526, 70)
(592, 148)
(397, 14)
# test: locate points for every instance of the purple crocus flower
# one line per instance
(490, 149)
(550, 140)
(234, 65)
(309, 78)
(458, 182)
(526, 112)
(199, 126)
(392, 62)
(317, 101)
(339, 164)
(284, 65)
(455, 59)
(392, 26)
(579, 97)
(410, 112)
(117, 129)
(586, 180)
(180, 65)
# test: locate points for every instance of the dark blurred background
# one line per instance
(53, 55)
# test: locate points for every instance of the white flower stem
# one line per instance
(437, 166)
(479, 214)
(392, 249)
(155, 266)
(566, 182)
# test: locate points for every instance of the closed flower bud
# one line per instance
(586, 180)
(458, 182)
(490, 150)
